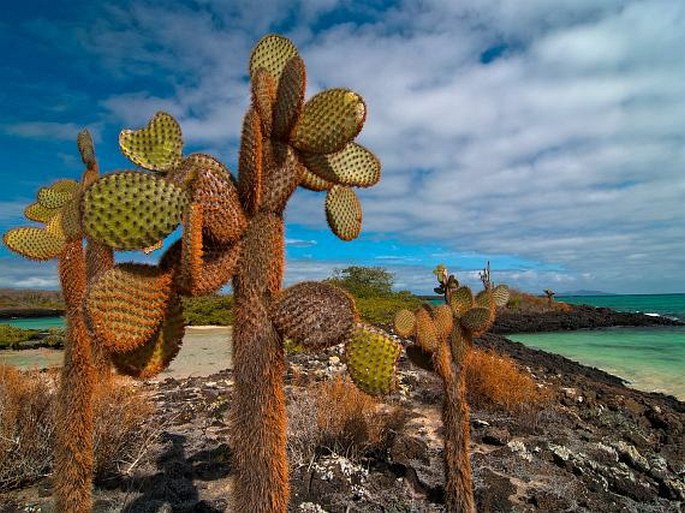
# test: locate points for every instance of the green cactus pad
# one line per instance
(422, 359)
(34, 243)
(289, 97)
(213, 188)
(126, 305)
(250, 169)
(86, 148)
(272, 53)
(156, 354)
(343, 212)
(158, 146)
(132, 210)
(55, 226)
(371, 358)
(329, 121)
(314, 182)
(501, 294)
(316, 315)
(57, 195)
(39, 213)
(461, 300)
(426, 331)
(354, 165)
(71, 219)
(65, 185)
(484, 299)
(476, 320)
(444, 321)
(263, 98)
(404, 323)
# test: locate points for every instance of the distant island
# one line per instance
(586, 293)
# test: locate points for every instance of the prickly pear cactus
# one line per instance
(443, 336)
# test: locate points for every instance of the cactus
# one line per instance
(443, 337)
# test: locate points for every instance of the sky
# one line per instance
(547, 137)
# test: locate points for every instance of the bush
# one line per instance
(496, 382)
(335, 415)
(11, 336)
(523, 302)
(381, 310)
(214, 310)
(27, 418)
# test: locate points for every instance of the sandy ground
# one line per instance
(206, 350)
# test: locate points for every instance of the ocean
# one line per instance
(650, 359)
(36, 323)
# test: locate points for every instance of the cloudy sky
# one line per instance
(546, 136)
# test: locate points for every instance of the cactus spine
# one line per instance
(444, 351)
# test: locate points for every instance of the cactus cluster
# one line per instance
(443, 335)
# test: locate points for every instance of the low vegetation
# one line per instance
(17, 298)
(27, 426)
(11, 336)
(522, 302)
(214, 309)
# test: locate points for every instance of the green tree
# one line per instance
(363, 282)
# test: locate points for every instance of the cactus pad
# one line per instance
(283, 172)
(71, 219)
(250, 169)
(39, 213)
(476, 320)
(484, 299)
(272, 52)
(371, 358)
(264, 97)
(404, 323)
(213, 188)
(501, 294)
(132, 210)
(289, 97)
(34, 243)
(86, 148)
(444, 321)
(57, 195)
(343, 212)
(192, 244)
(316, 315)
(157, 353)
(314, 182)
(329, 121)
(459, 345)
(126, 305)
(217, 267)
(426, 331)
(461, 300)
(158, 146)
(354, 165)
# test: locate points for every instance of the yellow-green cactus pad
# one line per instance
(329, 121)
(289, 97)
(484, 299)
(371, 358)
(212, 187)
(422, 359)
(250, 169)
(132, 210)
(343, 212)
(314, 314)
(314, 182)
(39, 213)
(34, 243)
(426, 332)
(55, 227)
(272, 53)
(86, 148)
(57, 195)
(444, 321)
(71, 219)
(354, 165)
(461, 300)
(127, 303)
(476, 320)
(501, 295)
(404, 323)
(158, 146)
(156, 354)
(65, 185)
(264, 97)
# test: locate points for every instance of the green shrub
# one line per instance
(208, 310)
(11, 336)
(381, 310)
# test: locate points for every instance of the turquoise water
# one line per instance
(651, 359)
(36, 323)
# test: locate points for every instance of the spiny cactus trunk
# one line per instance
(74, 423)
(99, 258)
(259, 416)
(455, 418)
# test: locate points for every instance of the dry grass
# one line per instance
(496, 382)
(528, 303)
(27, 413)
(336, 416)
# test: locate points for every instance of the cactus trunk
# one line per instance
(259, 415)
(99, 258)
(455, 418)
(74, 424)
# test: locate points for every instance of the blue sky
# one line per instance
(547, 137)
